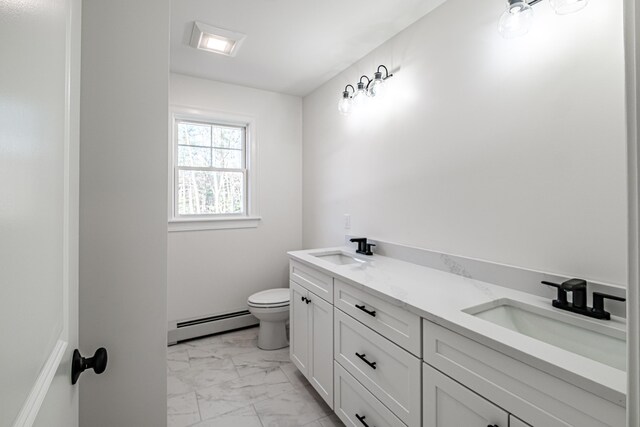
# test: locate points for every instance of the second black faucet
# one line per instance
(363, 247)
(578, 289)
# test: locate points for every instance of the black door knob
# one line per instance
(80, 364)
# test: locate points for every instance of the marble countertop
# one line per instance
(441, 297)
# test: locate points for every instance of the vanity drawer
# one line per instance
(395, 323)
(354, 404)
(515, 386)
(389, 372)
(313, 280)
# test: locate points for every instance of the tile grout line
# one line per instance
(257, 415)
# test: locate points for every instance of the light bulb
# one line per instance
(516, 20)
(360, 95)
(376, 87)
(345, 104)
(564, 7)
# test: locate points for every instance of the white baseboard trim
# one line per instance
(176, 334)
(31, 406)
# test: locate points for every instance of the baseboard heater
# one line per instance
(215, 324)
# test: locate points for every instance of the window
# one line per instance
(210, 172)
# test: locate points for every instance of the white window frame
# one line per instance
(248, 219)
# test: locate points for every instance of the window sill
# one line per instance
(200, 224)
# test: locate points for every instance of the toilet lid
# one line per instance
(270, 297)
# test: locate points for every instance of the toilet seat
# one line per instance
(271, 298)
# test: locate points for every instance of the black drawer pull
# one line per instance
(363, 357)
(363, 308)
(361, 419)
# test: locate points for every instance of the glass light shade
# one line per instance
(360, 95)
(564, 7)
(344, 105)
(516, 20)
(376, 88)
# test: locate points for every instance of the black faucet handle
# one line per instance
(369, 246)
(358, 240)
(598, 303)
(562, 294)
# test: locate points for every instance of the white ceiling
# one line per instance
(292, 46)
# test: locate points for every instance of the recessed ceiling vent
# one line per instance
(216, 40)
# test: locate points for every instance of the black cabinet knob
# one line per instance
(80, 364)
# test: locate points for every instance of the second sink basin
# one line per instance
(592, 339)
(338, 258)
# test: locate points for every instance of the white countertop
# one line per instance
(440, 297)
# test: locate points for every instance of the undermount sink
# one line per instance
(595, 340)
(338, 258)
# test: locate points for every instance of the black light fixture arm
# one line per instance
(386, 71)
(345, 93)
(361, 85)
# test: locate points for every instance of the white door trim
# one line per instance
(32, 404)
(633, 288)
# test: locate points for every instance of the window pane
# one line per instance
(194, 134)
(208, 193)
(194, 156)
(227, 158)
(228, 137)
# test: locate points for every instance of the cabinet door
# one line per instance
(446, 403)
(299, 328)
(321, 347)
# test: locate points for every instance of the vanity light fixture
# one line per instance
(216, 40)
(376, 86)
(516, 20)
(361, 91)
(346, 102)
(366, 88)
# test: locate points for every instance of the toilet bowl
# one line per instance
(271, 307)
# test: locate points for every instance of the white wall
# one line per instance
(512, 151)
(214, 271)
(123, 199)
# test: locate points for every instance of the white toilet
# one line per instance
(271, 307)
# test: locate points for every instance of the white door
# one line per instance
(39, 108)
(446, 403)
(299, 328)
(321, 347)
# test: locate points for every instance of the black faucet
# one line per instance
(578, 289)
(363, 247)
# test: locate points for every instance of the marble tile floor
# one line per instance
(227, 381)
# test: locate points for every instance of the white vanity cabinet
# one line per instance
(357, 407)
(311, 335)
(299, 327)
(389, 372)
(395, 323)
(531, 395)
(448, 404)
(379, 363)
